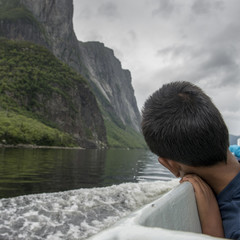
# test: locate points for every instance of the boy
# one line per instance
(186, 131)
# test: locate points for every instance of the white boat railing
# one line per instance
(172, 216)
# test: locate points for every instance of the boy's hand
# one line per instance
(208, 209)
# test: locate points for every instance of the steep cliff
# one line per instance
(35, 84)
(112, 82)
(49, 23)
(17, 22)
(55, 17)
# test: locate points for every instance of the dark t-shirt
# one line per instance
(229, 204)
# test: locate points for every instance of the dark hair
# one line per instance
(180, 122)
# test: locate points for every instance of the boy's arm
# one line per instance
(208, 209)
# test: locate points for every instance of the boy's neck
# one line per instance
(220, 175)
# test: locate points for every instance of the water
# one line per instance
(109, 185)
(28, 171)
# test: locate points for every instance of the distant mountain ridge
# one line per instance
(49, 23)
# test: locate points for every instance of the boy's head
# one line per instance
(180, 123)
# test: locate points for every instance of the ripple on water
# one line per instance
(75, 214)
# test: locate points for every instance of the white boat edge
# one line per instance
(172, 216)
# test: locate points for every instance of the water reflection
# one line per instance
(152, 170)
(27, 171)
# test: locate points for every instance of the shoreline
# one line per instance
(30, 146)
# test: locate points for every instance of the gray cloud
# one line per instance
(230, 35)
(206, 6)
(95, 36)
(222, 62)
(213, 67)
(176, 51)
(165, 8)
(132, 34)
(85, 13)
(109, 10)
(171, 40)
(220, 58)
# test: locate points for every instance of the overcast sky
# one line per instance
(161, 41)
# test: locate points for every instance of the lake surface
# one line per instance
(30, 171)
(81, 192)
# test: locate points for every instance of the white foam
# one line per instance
(75, 214)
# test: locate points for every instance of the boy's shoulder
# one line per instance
(231, 191)
(229, 205)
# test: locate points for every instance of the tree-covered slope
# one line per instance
(19, 129)
(49, 24)
(34, 84)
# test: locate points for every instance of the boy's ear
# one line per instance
(171, 165)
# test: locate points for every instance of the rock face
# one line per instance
(114, 83)
(55, 18)
(80, 117)
(84, 122)
(51, 26)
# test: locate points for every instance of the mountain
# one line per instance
(49, 24)
(110, 83)
(35, 85)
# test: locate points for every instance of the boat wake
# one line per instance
(75, 214)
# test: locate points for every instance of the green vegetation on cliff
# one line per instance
(16, 128)
(28, 73)
(27, 70)
(123, 138)
(30, 77)
(118, 135)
